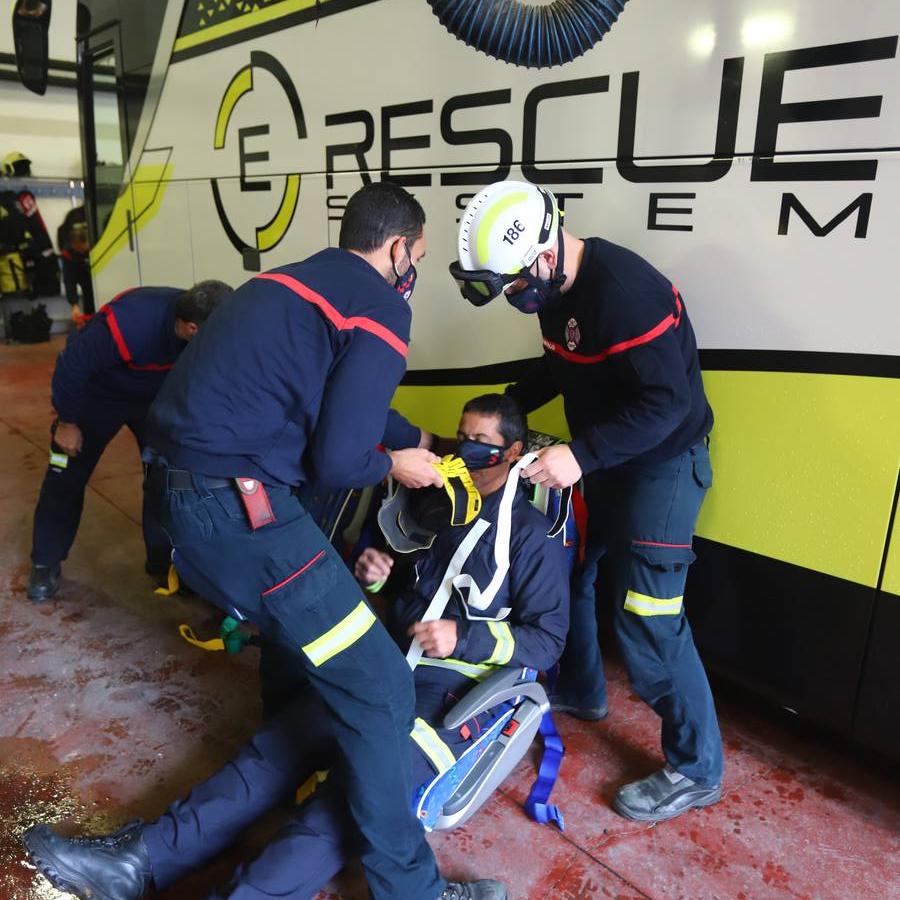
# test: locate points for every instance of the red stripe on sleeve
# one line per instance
(342, 323)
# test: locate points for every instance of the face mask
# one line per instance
(404, 284)
(479, 456)
(539, 294)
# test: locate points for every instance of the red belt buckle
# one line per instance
(256, 502)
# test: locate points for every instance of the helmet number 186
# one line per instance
(513, 233)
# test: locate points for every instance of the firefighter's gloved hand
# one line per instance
(414, 468)
(372, 566)
(68, 438)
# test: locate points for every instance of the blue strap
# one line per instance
(536, 805)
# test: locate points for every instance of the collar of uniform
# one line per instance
(491, 504)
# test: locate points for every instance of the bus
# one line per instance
(750, 149)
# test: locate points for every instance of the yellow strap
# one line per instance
(506, 643)
(432, 746)
(308, 788)
(645, 605)
(458, 483)
(349, 630)
(172, 584)
(212, 644)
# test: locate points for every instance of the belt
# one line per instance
(183, 480)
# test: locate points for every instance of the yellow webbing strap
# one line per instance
(465, 501)
(308, 788)
(172, 584)
(212, 644)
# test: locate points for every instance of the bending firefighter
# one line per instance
(619, 347)
(106, 378)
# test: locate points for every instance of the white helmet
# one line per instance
(502, 231)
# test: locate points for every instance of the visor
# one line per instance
(480, 286)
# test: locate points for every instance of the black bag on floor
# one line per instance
(32, 327)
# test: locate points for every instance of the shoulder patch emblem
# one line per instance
(573, 334)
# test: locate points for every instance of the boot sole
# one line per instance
(47, 863)
(636, 816)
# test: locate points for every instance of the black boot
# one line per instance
(474, 890)
(43, 583)
(111, 867)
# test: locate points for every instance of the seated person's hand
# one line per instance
(438, 638)
(372, 566)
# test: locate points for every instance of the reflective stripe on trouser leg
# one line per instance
(432, 746)
(645, 605)
(349, 630)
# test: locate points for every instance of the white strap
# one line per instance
(481, 600)
(475, 598)
(442, 595)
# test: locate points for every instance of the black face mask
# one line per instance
(539, 294)
(405, 283)
(479, 456)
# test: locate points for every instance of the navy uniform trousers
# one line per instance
(61, 502)
(317, 842)
(641, 520)
(288, 579)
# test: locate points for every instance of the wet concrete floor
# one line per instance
(106, 714)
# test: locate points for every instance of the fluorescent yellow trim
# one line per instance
(432, 746)
(231, 26)
(60, 460)
(349, 630)
(239, 85)
(269, 235)
(476, 671)
(804, 468)
(142, 198)
(645, 605)
(487, 223)
(506, 643)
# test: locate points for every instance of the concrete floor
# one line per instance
(107, 714)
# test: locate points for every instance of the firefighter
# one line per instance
(106, 378)
(620, 349)
(294, 374)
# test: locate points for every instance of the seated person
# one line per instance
(463, 645)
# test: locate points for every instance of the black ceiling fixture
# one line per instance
(526, 34)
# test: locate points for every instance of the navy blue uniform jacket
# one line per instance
(122, 354)
(536, 588)
(619, 347)
(294, 372)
